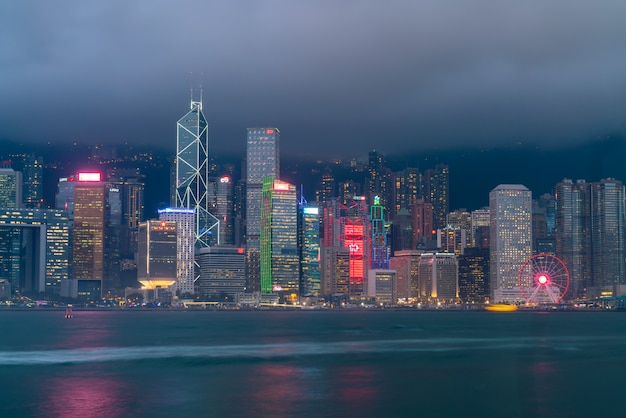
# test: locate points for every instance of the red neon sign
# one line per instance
(353, 230)
(270, 131)
(355, 246)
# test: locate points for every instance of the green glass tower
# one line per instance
(279, 239)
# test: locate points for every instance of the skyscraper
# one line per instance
(438, 277)
(480, 228)
(10, 188)
(407, 189)
(379, 182)
(310, 250)
(222, 272)
(422, 221)
(157, 254)
(192, 173)
(33, 181)
(279, 239)
(34, 249)
(380, 249)
(89, 222)
(223, 187)
(474, 275)
(262, 160)
(572, 235)
(606, 204)
(510, 208)
(437, 192)
(589, 230)
(185, 249)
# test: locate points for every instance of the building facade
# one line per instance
(438, 278)
(192, 173)
(89, 224)
(157, 254)
(510, 208)
(310, 250)
(279, 260)
(262, 160)
(185, 247)
(222, 273)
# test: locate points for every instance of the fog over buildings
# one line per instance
(391, 76)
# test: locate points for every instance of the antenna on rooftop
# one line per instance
(302, 202)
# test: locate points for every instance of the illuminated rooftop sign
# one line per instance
(311, 211)
(270, 131)
(281, 186)
(89, 176)
(176, 210)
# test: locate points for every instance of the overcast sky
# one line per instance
(385, 75)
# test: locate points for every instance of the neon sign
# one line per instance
(89, 176)
(281, 186)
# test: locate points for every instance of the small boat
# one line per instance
(68, 313)
(501, 307)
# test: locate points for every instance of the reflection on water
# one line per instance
(356, 388)
(86, 330)
(84, 394)
(278, 389)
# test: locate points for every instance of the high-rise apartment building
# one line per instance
(572, 235)
(589, 232)
(422, 221)
(452, 239)
(437, 192)
(510, 208)
(327, 188)
(407, 188)
(279, 260)
(608, 252)
(192, 173)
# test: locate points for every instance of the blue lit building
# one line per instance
(192, 173)
(310, 250)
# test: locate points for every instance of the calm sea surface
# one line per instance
(312, 364)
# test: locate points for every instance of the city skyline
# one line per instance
(380, 77)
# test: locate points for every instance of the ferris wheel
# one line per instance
(543, 278)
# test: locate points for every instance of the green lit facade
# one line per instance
(279, 238)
